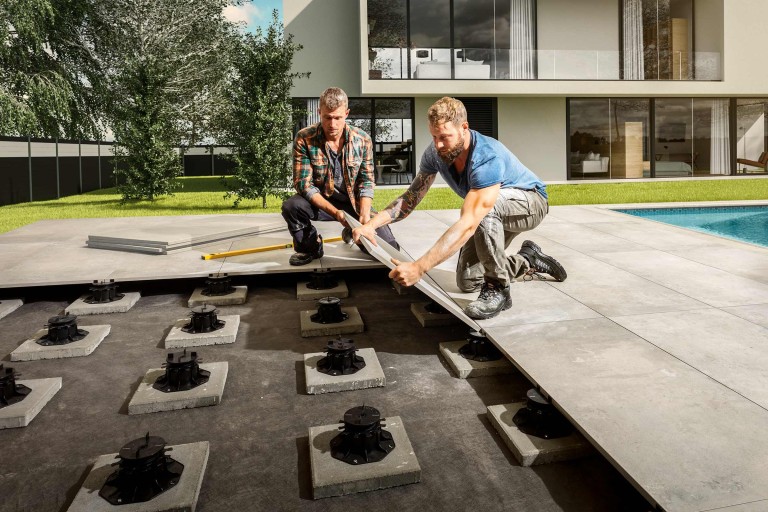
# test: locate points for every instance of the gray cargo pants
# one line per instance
(483, 257)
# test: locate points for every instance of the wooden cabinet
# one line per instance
(627, 153)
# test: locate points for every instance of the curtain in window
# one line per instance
(312, 115)
(720, 146)
(633, 40)
(522, 58)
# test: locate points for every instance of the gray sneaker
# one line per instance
(493, 299)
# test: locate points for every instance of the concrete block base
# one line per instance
(80, 307)
(372, 376)
(30, 350)
(400, 289)
(180, 498)
(427, 319)
(147, 399)
(22, 413)
(332, 477)
(353, 324)
(239, 296)
(303, 293)
(8, 306)
(530, 450)
(180, 339)
(467, 368)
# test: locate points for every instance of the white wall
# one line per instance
(329, 32)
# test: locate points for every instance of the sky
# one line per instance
(256, 13)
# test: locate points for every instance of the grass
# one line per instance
(205, 195)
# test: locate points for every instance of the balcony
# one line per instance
(490, 64)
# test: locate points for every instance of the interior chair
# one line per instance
(402, 169)
(760, 162)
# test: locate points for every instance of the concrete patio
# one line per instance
(654, 347)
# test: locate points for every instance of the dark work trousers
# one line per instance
(299, 214)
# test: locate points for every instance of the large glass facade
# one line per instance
(389, 122)
(615, 138)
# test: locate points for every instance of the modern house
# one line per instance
(618, 89)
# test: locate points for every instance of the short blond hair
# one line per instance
(333, 98)
(447, 109)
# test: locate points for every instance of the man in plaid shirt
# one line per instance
(332, 175)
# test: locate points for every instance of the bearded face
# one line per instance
(449, 154)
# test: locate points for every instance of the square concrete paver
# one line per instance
(353, 324)
(8, 306)
(304, 292)
(179, 339)
(332, 477)
(30, 350)
(80, 307)
(180, 498)
(532, 450)
(469, 368)
(371, 376)
(429, 319)
(238, 296)
(22, 413)
(147, 399)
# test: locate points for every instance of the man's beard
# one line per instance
(448, 156)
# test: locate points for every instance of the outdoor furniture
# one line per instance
(402, 169)
(761, 162)
(380, 168)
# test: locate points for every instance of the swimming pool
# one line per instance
(743, 223)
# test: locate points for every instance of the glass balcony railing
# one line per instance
(490, 64)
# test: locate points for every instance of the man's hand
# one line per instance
(340, 216)
(406, 274)
(364, 231)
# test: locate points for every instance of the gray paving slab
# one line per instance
(353, 324)
(81, 308)
(371, 376)
(147, 399)
(531, 450)
(699, 339)
(384, 253)
(465, 368)
(238, 296)
(22, 413)
(757, 314)
(656, 235)
(586, 215)
(755, 506)
(644, 409)
(332, 477)
(702, 282)
(8, 306)
(304, 292)
(30, 350)
(428, 319)
(177, 338)
(180, 498)
(752, 260)
(584, 238)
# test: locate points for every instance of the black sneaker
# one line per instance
(541, 263)
(493, 299)
(302, 258)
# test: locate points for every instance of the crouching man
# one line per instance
(502, 198)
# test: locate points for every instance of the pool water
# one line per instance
(743, 223)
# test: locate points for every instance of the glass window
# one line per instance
(589, 137)
(667, 39)
(674, 137)
(751, 135)
(630, 138)
(387, 39)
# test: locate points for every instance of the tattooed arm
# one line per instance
(476, 205)
(399, 209)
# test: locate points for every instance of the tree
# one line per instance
(257, 123)
(50, 77)
(166, 67)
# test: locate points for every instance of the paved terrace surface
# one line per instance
(655, 346)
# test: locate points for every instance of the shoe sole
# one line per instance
(490, 315)
(536, 249)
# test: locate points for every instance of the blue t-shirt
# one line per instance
(489, 162)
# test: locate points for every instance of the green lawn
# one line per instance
(205, 195)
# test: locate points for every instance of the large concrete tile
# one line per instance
(583, 238)
(725, 347)
(757, 314)
(736, 258)
(613, 291)
(585, 214)
(702, 282)
(654, 234)
(685, 441)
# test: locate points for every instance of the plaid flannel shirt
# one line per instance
(313, 174)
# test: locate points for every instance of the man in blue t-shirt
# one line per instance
(502, 198)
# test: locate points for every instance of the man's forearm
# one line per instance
(365, 207)
(401, 207)
(451, 241)
(318, 201)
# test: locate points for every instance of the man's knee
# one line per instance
(292, 204)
